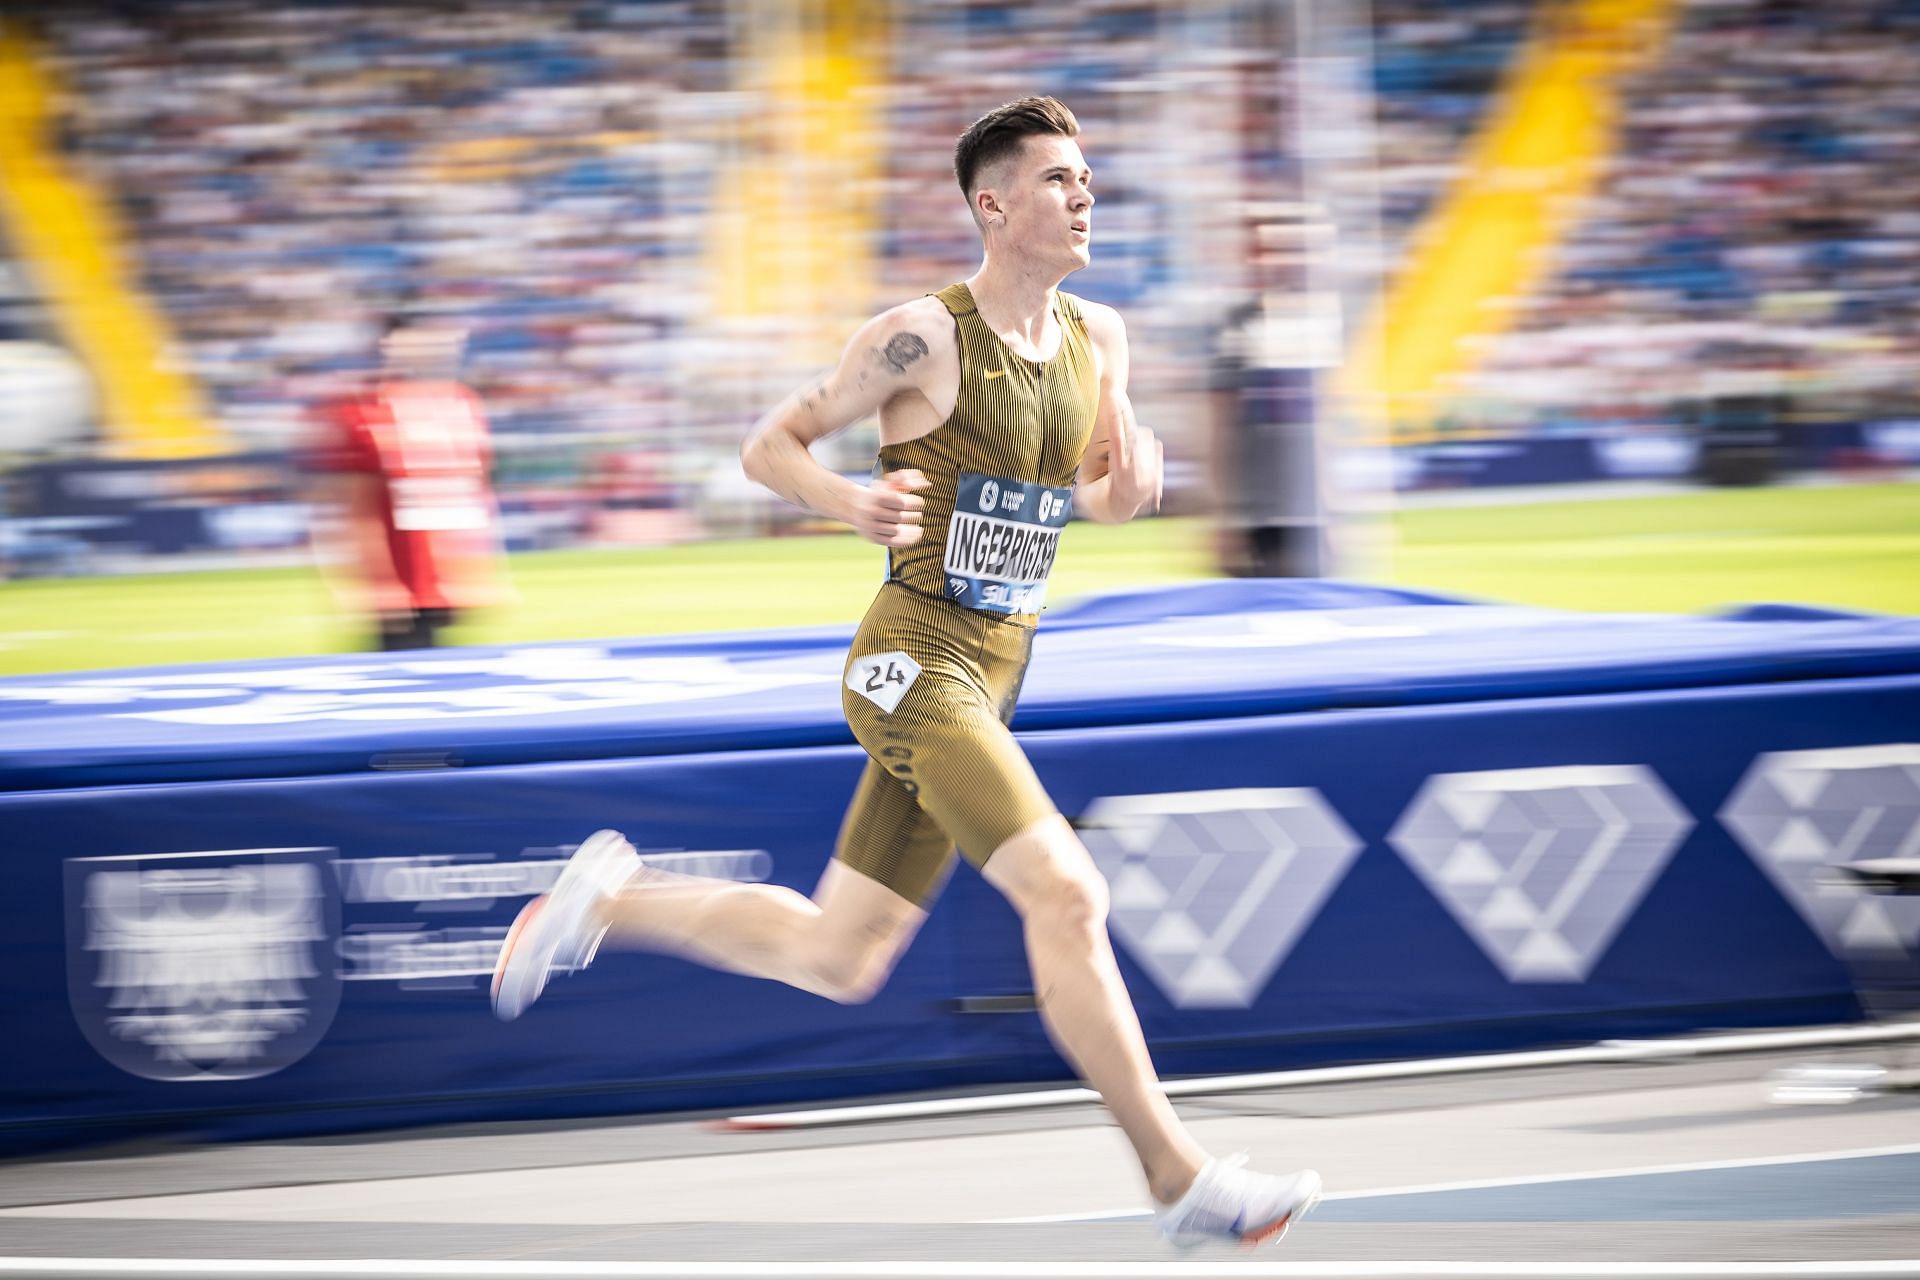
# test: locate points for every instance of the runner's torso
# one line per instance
(1002, 466)
(426, 444)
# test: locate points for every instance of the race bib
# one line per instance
(882, 678)
(1002, 541)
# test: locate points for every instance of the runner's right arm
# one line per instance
(887, 357)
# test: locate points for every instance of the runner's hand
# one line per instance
(888, 511)
(1136, 463)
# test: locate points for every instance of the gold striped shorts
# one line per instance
(929, 690)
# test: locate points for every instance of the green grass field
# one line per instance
(1854, 547)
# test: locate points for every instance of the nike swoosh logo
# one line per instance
(995, 373)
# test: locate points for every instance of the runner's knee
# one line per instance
(1070, 900)
(1050, 878)
(850, 971)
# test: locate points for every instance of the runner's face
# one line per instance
(1048, 201)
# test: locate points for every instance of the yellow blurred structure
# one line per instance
(1489, 242)
(794, 228)
(66, 236)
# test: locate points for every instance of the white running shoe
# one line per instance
(558, 932)
(1228, 1202)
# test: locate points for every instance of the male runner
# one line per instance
(989, 393)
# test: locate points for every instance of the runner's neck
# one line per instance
(1019, 307)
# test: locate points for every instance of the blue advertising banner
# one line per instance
(1339, 823)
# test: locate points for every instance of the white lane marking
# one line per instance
(435, 1269)
(1206, 1086)
(1477, 1184)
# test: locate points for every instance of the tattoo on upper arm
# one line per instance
(903, 349)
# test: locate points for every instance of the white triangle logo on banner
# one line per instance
(1175, 934)
(1471, 864)
(1798, 841)
(1509, 909)
(1546, 955)
(1801, 787)
(1258, 862)
(1472, 808)
(1135, 888)
(1870, 929)
(1213, 980)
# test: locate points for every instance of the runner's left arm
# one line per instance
(1124, 468)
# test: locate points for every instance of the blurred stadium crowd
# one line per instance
(1758, 234)
(551, 176)
(555, 177)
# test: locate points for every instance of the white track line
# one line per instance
(394, 1269)
(1481, 1184)
(1205, 1086)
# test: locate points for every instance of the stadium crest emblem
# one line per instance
(203, 966)
(1211, 889)
(1798, 812)
(1542, 866)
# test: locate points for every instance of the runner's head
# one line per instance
(416, 348)
(1026, 182)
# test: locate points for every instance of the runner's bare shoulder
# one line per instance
(914, 339)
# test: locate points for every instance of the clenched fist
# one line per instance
(888, 511)
(1137, 464)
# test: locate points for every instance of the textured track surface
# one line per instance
(1674, 1162)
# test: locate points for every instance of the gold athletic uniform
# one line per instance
(937, 663)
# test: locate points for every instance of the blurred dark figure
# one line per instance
(408, 515)
(1742, 438)
(1266, 468)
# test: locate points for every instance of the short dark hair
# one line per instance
(999, 133)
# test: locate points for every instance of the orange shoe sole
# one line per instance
(1278, 1227)
(1272, 1231)
(520, 923)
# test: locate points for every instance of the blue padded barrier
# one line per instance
(1340, 823)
